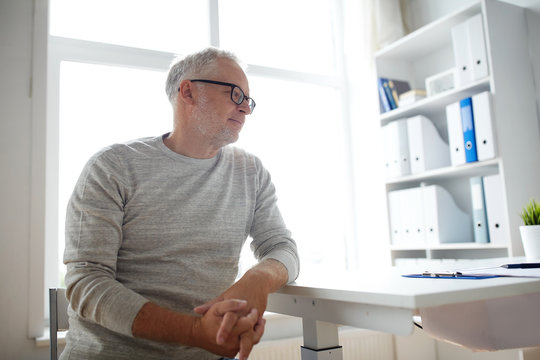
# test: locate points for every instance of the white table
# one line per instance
(383, 300)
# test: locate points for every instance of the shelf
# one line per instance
(452, 246)
(428, 38)
(469, 169)
(436, 103)
(429, 51)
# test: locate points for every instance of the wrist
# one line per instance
(268, 276)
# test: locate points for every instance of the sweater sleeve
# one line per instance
(271, 238)
(93, 236)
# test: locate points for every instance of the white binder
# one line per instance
(483, 127)
(477, 47)
(455, 134)
(480, 227)
(406, 217)
(445, 222)
(495, 209)
(387, 151)
(412, 213)
(427, 150)
(462, 55)
(396, 226)
(427, 214)
(396, 149)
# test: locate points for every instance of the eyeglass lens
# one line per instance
(238, 97)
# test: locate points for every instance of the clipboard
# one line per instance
(449, 275)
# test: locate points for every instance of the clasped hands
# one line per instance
(236, 325)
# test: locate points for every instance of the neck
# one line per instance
(190, 146)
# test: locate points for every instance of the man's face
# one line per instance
(215, 115)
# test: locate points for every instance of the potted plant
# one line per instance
(530, 231)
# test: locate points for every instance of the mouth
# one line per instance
(238, 122)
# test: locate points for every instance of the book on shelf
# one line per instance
(411, 96)
(390, 91)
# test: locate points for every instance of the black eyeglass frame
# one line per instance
(250, 101)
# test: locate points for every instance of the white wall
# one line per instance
(15, 154)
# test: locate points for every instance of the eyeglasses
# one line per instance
(237, 95)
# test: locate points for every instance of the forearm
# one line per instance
(269, 275)
(156, 323)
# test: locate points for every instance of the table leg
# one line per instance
(321, 341)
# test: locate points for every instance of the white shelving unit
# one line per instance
(429, 51)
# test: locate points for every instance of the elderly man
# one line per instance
(155, 227)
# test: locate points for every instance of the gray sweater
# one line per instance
(147, 224)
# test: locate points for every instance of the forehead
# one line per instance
(229, 71)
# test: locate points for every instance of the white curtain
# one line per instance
(368, 26)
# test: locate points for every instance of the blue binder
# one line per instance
(467, 122)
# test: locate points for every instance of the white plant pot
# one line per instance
(530, 236)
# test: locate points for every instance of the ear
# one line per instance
(185, 91)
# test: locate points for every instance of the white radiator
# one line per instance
(358, 344)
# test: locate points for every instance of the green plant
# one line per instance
(531, 213)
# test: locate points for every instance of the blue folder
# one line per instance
(467, 124)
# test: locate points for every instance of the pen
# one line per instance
(521, 266)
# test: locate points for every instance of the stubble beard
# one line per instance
(209, 125)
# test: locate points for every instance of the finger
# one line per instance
(228, 323)
(231, 305)
(202, 309)
(259, 330)
(246, 345)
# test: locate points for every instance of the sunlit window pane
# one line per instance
(297, 131)
(293, 35)
(177, 26)
(101, 105)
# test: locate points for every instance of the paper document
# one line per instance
(501, 271)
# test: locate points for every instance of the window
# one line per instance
(106, 85)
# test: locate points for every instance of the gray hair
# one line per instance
(199, 64)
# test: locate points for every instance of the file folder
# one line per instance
(477, 47)
(444, 221)
(470, 55)
(440, 275)
(394, 209)
(495, 209)
(396, 149)
(406, 217)
(455, 134)
(462, 55)
(427, 215)
(427, 150)
(413, 216)
(467, 124)
(480, 223)
(483, 127)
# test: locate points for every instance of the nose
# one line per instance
(244, 107)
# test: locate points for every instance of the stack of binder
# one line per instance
(427, 215)
(412, 146)
(470, 51)
(487, 209)
(470, 129)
